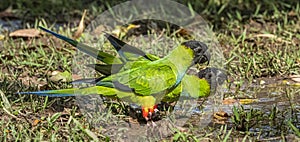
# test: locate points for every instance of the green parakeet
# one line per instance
(151, 80)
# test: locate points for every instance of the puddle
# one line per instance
(276, 105)
(283, 97)
(279, 105)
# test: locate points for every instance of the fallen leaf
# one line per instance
(36, 122)
(262, 82)
(80, 27)
(279, 39)
(54, 73)
(229, 101)
(121, 31)
(266, 35)
(61, 76)
(221, 115)
(247, 101)
(292, 13)
(132, 26)
(2, 37)
(25, 33)
(295, 78)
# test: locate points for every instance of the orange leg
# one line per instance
(148, 112)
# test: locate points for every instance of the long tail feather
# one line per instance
(122, 47)
(102, 56)
(71, 41)
(54, 93)
(95, 90)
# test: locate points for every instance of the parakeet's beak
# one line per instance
(202, 55)
(201, 52)
(205, 57)
(214, 76)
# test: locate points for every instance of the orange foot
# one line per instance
(148, 112)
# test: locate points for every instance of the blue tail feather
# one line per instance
(48, 93)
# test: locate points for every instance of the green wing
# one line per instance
(144, 80)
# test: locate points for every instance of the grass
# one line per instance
(260, 41)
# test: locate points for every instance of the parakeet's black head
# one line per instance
(200, 49)
(214, 76)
